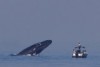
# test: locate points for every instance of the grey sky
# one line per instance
(24, 22)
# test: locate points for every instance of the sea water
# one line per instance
(48, 61)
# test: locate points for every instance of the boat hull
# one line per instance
(79, 55)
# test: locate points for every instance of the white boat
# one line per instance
(79, 52)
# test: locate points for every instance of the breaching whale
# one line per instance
(34, 49)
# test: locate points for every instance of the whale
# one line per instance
(34, 49)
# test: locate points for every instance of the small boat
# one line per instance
(79, 52)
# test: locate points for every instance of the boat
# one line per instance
(79, 52)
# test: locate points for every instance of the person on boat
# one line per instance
(79, 47)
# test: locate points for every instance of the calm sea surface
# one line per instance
(48, 61)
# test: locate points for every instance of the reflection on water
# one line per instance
(48, 61)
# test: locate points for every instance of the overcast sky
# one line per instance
(66, 22)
